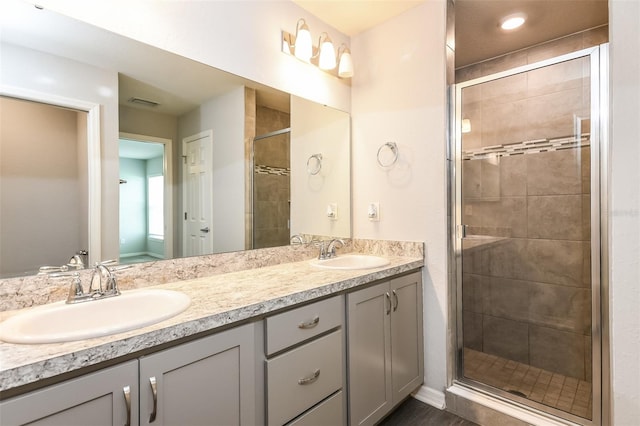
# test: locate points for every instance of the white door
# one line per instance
(198, 194)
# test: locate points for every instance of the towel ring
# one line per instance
(393, 147)
(314, 164)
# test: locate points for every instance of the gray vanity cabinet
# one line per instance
(385, 355)
(304, 369)
(104, 398)
(210, 381)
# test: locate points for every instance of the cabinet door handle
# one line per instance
(388, 301)
(395, 300)
(309, 324)
(127, 400)
(154, 393)
(310, 379)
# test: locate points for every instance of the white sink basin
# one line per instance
(351, 261)
(60, 322)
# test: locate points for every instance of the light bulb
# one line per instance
(327, 59)
(511, 22)
(345, 68)
(303, 45)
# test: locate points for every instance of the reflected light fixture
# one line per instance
(513, 21)
(323, 56)
(345, 62)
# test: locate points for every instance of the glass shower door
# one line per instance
(525, 241)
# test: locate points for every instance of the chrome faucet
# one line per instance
(329, 250)
(103, 284)
(101, 274)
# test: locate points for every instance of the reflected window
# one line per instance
(155, 200)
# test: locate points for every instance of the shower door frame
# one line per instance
(599, 78)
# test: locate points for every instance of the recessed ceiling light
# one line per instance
(511, 22)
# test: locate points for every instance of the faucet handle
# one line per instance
(75, 290)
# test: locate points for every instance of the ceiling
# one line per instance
(477, 34)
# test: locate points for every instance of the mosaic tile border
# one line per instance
(527, 147)
(270, 170)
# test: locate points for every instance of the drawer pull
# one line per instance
(309, 324)
(127, 400)
(154, 393)
(310, 379)
(388, 300)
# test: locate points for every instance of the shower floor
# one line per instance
(555, 390)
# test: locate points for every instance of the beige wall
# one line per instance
(42, 206)
(624, 212)
(317, 129)
(399, 94)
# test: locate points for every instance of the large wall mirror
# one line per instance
(187, 159)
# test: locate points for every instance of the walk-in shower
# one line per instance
(527, 237)
(271, 189)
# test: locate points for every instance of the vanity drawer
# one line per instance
(328, 413)
(302, 377)
(297, 325)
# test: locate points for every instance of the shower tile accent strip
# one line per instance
(555, 390)
(526, 147)
(270, 170)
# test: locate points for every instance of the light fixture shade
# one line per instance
(345, 67)
(303, 45)
(327, 60)
(513, 21)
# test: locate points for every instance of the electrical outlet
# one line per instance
(373, 212)
(332, 211)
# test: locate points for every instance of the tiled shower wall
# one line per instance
(271, 184)
(526, 265)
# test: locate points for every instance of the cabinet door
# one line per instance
(210, 381)
(407, 365)
(369, 344)
(107, 397)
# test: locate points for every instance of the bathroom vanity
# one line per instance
(283, 344)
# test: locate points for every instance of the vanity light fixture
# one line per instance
(303, 47)
(327, 53)
(513, 21)
(345, 62)
(323, 56)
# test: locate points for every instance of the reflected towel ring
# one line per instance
(393, 147)
(314, 164)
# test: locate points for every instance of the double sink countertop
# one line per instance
(216, 301)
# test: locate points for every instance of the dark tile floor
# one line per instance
(415, 413)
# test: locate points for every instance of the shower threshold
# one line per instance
(552, 389)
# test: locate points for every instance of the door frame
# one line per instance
(167, 170)
(94, 162)
(483, 394)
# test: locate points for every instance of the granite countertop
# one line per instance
(216, 301)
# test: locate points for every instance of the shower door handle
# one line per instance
(462, 231)
(205, 230)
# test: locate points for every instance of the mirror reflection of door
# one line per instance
(143, 225)
(43, 185)
(198, 193)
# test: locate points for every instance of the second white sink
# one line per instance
(351, 261)
(61, 322)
